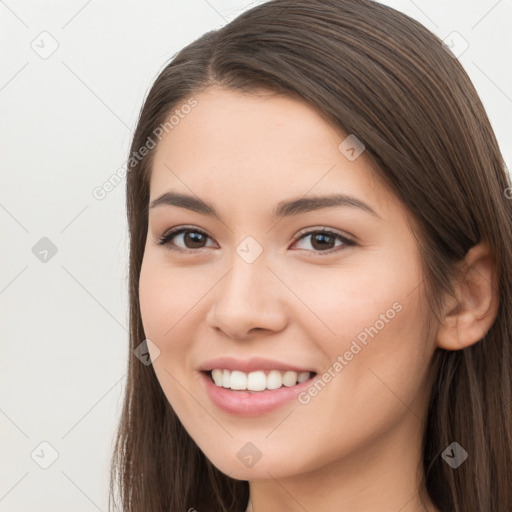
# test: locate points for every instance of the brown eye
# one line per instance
(192, 239)
(184, 239)
(322, 240)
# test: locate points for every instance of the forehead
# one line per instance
(244, 124)
(259, 144)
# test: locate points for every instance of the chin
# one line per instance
(263, 469)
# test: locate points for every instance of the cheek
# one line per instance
(166, 297)
(164, 307)
(371, 316)
(379, 357)
(336, 304)
(153, 304)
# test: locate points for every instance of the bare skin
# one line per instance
(355, 445)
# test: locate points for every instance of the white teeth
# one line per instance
(274, 380)
(217, 376)
(302, 377)
(226, 379)
(290, 379)
(238, 380)
(257, 381)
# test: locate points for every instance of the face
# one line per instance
(262, 282)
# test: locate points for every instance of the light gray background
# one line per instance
(66, 122)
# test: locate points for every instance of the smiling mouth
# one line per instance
(257, 381)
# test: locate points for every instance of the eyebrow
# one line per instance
(283, 209)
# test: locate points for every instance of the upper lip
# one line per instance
(250, 365)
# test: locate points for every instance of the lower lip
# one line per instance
(247, 403)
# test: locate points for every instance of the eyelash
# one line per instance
(166, 238)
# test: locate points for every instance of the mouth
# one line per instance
(254, 393)
(257, 381)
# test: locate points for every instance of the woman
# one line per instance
(320, 274)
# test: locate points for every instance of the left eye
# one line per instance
(321, 240)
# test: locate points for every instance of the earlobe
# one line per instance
(470, 314)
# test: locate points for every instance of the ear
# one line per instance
(470, 314)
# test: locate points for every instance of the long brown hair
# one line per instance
(380, 75)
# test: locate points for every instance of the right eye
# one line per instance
(192, 239)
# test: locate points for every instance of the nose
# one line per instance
(248, 300)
